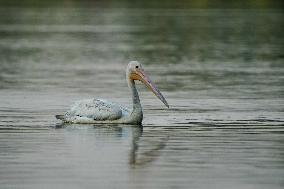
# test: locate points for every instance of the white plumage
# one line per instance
(103, 111)
(90, 110)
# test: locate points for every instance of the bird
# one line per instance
(92, 111)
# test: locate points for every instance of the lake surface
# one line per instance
(221, 71)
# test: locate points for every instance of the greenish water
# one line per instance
(221, 71)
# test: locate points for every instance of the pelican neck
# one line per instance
(135, 96)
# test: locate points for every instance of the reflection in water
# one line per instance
(144, 150)
(135, 145)
(88, 154)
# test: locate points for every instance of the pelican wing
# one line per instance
(94, 109)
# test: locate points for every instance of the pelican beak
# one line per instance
(143, 77)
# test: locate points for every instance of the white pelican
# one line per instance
(102, 111)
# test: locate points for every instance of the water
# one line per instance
(220, 70)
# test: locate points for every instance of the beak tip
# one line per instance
(167, 105)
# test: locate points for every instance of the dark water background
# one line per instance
(221, 71)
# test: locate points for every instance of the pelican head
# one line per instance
(135, 71)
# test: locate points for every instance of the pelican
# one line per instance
(103, 111)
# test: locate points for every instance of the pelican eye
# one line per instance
(137, 66)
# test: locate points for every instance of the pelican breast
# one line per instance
(94, 109)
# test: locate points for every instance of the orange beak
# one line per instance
(143, 77)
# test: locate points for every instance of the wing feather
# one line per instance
(95, 109)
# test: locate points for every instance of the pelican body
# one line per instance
(103, 111)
